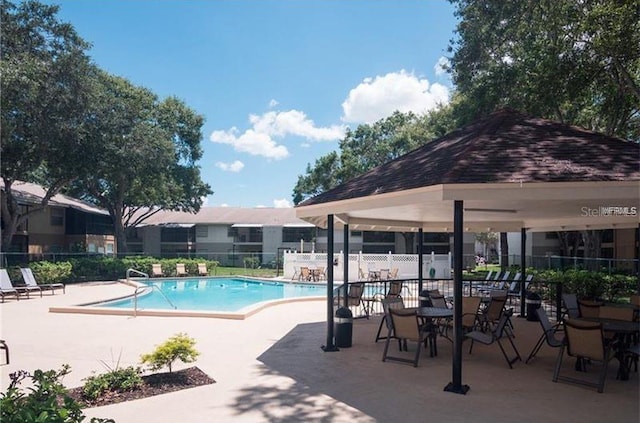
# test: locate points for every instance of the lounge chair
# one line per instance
(7, 285)
(6, 288)
(180, 269)
(30, 280)
(156, 270)
(202, 269)
(354, 297)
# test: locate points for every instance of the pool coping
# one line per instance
(233, 315)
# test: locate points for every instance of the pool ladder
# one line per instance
(143, 288)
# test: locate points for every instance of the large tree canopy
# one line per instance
(577, 62)
(148, 154)
(371, 145)
(45, 78)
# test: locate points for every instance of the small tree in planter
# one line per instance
(179, 346)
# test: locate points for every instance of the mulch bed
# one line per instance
(154, 384)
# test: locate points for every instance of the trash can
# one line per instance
(425, 300)
(533, 302)
(343, 327)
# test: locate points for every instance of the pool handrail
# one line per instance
(144, 287)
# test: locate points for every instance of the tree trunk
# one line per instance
(592, 240)
(504, 251)
(121, 236)
(409, 242)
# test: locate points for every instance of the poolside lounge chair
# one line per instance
(156, 270)
(202, 269)
(30, 280)
(7, 286)
(180, 269)
(6, 289)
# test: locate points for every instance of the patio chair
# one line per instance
(492, 313)
(180, 269)
(548, 334)
(5, 347)
(394, 273)
(388, 303)
(495, 335)
(571, 309)
(635, 300)
(584, 340)
(156, 270)
(406, 327)
(384, 274)
(354, 298)
(296, 273)
(30, 280)
(589, 309)
(8, 287)
(202, 269)
(470, 306)
(305, 274)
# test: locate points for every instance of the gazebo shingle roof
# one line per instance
(506, 146)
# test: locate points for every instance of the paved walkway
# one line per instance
(270, 368)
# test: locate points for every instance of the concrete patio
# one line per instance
(270, 368)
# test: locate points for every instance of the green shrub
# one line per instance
(117, 380)
(48, 272)
(251, 262)
(179, 346)
(46, 400)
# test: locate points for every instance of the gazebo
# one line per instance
(506, 172)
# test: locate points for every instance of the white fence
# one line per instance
(433, 265)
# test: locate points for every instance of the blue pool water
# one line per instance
(219, 294)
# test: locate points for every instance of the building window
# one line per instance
(56, 216)
(378, 236)
(177, 235)
(202, 231)
(296, 234)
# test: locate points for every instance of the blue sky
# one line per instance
(277, 81)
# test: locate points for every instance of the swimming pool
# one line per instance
(215, 294)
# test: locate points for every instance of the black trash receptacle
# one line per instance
(343, 327)
(425, 300)
(533, 302)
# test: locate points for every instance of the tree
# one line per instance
(147, 156)
(575, 62)
(44, 85)
(371, 145)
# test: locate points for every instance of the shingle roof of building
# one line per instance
(506, 146)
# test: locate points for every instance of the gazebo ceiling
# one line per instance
(511, 171)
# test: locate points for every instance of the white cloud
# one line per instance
(273, 103)
(282, 204)
(224, 205)
(205, 201)
(236, 166)
(259, 139)
(441, 66)
(376, 98)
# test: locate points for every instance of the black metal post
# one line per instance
(345, 267)
(330, 345)
(558, 301)
(420, 260)
(523, 267)
(456, 385)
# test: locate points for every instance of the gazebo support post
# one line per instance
(456, 385)
(523, 267)
(345, 262)
(420, 258)
(330, 345)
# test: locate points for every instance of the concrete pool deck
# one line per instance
(270, 368)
